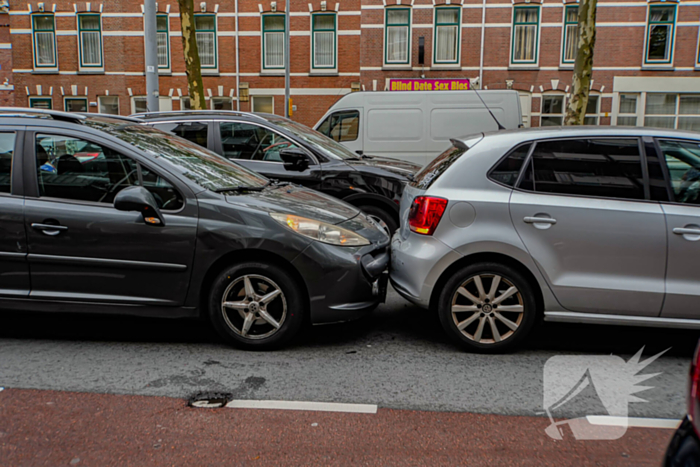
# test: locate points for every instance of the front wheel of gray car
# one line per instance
(487, 307)
(256, 306)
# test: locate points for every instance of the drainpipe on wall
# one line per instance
(238, 74)
(481, 59)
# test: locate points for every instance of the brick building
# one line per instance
(90, 55)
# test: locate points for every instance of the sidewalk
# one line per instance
(48, 428)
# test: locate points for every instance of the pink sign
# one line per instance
(429, 85)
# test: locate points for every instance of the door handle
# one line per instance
(684, 231)
(48, 229)
(539, 220)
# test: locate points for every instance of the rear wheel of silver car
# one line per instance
(487, 307)
(256, 306)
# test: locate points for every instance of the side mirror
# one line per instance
(137, 198)
(295, 159)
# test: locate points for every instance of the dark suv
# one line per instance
(106, 215)
(285, 150)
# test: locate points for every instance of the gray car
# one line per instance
(579, 225)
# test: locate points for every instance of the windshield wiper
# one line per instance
(238, 189)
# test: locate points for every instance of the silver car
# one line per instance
(575, 224)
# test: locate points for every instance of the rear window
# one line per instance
(508, 169)
(437, 167)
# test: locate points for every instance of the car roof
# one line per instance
(551, 132)
(186, 114)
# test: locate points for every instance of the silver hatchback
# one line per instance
(575, 224)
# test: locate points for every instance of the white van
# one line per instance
(415, 126)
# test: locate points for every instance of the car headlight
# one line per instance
(321, 231)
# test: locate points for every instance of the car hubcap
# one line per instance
(254, 307)
(380, 223)
(487, 308)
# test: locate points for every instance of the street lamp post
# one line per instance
(286, 57)
(150, 38)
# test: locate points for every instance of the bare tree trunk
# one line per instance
(192, 63)
(583, 69)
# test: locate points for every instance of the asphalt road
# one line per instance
(397, 358)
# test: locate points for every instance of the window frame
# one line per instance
(647, 32)
(212, 99)
(252, 103)
(565, 35)
(76, 98)
(563, 108)
(37, 66)
(677, 115)
(99, 104)
(41, 98)
(314, 30)
(263, 31)
(527, 164)
(167, 66)
(597, 112)
(133, 103)
(457, 25)
(408, 26)
(81, 47)
(215, 67)
(638, 114)
(535, 61)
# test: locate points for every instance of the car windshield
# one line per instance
(200, 165)
(323, 143)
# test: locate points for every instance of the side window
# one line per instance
(195, 132)
(7, 149)
(508, 169)
(251, 142)
(72, 168)
(608, 168)
(167, 197)
(342, 126)
(683, 161)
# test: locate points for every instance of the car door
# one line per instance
(682, 164)
(581, 210)
(258, 148)
(14, 269)
(344, 127)
(80, 247)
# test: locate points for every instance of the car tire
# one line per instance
(463, 314)
(381, 216)
(258, 295)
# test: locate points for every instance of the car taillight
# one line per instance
(694, 391)
(425, 214)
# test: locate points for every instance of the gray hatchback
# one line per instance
(583, 225)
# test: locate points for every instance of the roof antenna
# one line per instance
(500, 127)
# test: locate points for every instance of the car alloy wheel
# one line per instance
(380, 223)
(254, 307)
(487, 308)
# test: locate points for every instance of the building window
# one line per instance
(44, 31)
(324, 33)
(660, 32)
(41, 103)
(397, 35)
(627, 109)
(525, 34)
(680, 111)
(90, 31)
(109, 105)
(273, 41)
(221, 103)
(205, 26)
(263, 104)
(570, 34)
(75, 104)
(552, 110)
(447, 35)
(163, 41)
(592, 110)
(185, 103)
(139, 105)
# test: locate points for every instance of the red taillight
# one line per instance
(425, 214)
(694, 392)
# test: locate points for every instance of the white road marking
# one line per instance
(633, 422)
(299, 405)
